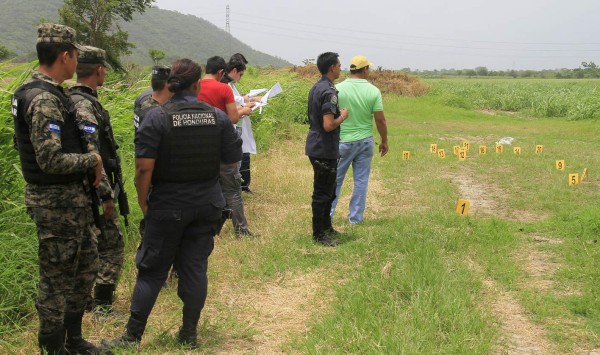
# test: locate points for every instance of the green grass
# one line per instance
(414, 277)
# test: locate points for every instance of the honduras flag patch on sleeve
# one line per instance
(53, 127)
(89, 128)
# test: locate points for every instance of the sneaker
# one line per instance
(244, 233)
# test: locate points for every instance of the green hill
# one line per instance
(178, 35)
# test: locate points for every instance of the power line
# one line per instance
(346, 30)
(407, 50)
(415, 43)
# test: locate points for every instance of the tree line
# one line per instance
(585, 70)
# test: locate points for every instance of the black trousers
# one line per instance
(186, 235)
(245, 170)
(324, 183)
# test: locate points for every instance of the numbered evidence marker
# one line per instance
(517, 150)
(573, 179)
(462, 154)
(462, 207)
(433, 148)
(586, 175)
(539, 149)
(499, 148)
(455, 149)
(467, 146)
(405, 155)
(560, 165)
(482, 150)
(441, 153)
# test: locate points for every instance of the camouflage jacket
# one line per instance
(44, 109)
(88, 120)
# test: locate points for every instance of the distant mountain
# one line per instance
(176, 34)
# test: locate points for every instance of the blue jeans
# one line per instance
(359, 154)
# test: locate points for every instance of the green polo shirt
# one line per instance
(362, 99)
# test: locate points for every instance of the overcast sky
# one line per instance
(426, 34)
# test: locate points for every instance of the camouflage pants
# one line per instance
(68, 261)
(110, 251)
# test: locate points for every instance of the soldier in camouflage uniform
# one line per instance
(158, 95)
(56, 194)
(94, 124)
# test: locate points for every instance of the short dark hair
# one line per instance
(214, 64)
(85, 70)
(236, 64)
(184, 72)
(326, 60)
(356, 71)
(47, 53)
(157, 84)
(239, 57)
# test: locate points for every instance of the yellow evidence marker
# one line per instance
(462, 207)
(560, 165)
(441, 153)
(467, 145)
(539, 149)
(482, 150)
(405, 155)
(517, 150)
(433, 148)
(462, 154)
(573, 179)
(455, 149)
(586, 175)
(499, 148)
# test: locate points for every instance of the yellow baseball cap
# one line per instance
(359, 62)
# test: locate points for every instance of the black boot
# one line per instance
(103, 298)
(188, 331)
(52, 343)
(132, 336)
(75, 343)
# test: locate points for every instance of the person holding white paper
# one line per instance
(235, 70)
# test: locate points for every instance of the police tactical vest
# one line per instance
(191, 147)
(138, 112)
(108, 146)
(70, 139)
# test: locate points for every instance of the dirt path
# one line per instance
(519, 334)
(487, 199)
(276, 311)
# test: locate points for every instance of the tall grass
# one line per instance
(18, 241)
(571, 99)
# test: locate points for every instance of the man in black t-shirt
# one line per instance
(322, 145)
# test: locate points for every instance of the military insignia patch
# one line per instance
(334, 99)
(53, 127)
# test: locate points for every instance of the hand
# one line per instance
(248, 108)
(108, 207)
(98, 170)
(383, 148)
(344, 113)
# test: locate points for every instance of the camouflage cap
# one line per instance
(55, 33)
(160, 72)
(92, 55)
